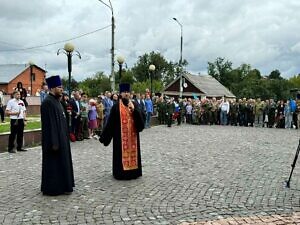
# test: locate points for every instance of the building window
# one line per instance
(33, 76)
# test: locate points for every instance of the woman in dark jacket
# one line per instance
(23, 92)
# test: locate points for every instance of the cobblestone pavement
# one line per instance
(191, 175)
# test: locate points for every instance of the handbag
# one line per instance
(72, 137)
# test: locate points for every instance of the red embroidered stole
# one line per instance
(128, 139)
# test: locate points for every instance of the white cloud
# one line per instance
(261, 33)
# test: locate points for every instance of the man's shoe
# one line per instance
(22, 150)
(12, 151)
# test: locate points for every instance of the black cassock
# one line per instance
(57, 167)
(112, 130)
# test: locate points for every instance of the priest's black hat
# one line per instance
(124, 87)
(53, 81)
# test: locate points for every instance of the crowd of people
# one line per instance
(86, 116)
(121, 117)
(206, 111)
(242, 112)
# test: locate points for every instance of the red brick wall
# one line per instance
(24, 77)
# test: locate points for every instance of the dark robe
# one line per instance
(57, 167)
(112, 130)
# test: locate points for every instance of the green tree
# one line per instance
(127, 77)
(164, 70)
(65, 83)
(244, 70)
(279, 88)
(140, 87)
(295, 81)
(96, 84)
(220, 70)
(275, 74)
(253, 75)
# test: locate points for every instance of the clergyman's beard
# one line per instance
(125, 101)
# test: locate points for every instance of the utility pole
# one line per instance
(180, 60)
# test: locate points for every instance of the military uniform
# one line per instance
(271, 114)
(170, 109)
(161, 109)
(234, 108)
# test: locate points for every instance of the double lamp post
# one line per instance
(151, 70)
(68, 50)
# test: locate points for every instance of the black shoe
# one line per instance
(12, 151)
(22, 150)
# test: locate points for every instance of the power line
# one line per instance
(54, 43)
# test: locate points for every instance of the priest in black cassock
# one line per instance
(123, 126)
(57, 167)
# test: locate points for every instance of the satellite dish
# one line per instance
(185, 85)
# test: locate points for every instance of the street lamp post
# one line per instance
(180, 60)
(151, 69)
(120, 60)
(68, 50)
(112, 43)
(31, 64)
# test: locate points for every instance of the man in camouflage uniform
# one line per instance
(161, 109)
(233, 111)
(170, 109)
(250, 110)
(258, 112)
(243, 112)
(205, 111)
(214, 112)
(271, 113)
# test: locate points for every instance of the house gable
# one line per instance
(203, 85)
(20, 73)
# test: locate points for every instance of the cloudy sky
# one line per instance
(262, 33)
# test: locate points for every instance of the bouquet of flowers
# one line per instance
(21, 105)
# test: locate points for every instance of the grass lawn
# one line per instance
(5, 127)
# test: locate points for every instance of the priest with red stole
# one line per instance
(123, 126)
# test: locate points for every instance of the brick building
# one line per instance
(31, 76)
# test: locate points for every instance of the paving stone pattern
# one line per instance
(191, 175)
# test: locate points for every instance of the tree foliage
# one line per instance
(164, 71)
(247, 82)
(65, 83)
(275, 74)
(220, 70)
(95, 85)
(243, 81)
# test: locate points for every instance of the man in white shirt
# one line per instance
(16, 110)
(224, 111)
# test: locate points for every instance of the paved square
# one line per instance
(191, 174)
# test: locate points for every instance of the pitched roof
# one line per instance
(9, 71)
(209, 85)
(206, 84)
